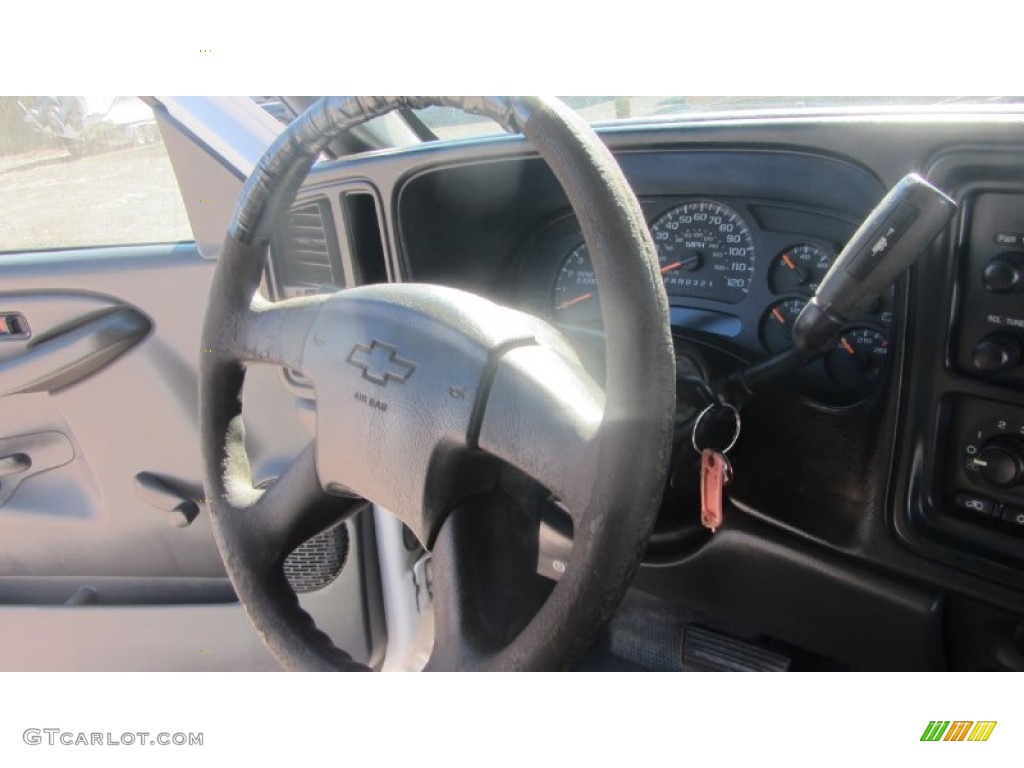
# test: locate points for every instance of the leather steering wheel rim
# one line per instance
(525, 366)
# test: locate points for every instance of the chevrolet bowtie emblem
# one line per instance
(380, 362)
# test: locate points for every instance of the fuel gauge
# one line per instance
(777, 324)
(859, 358)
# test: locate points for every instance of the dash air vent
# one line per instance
(306, 259)
(365, 241)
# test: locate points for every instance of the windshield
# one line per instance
(447, 123)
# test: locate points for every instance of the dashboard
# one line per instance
(740, 253)
(877, 507)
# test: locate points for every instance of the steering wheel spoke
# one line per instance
(543, 416)
(453, 603)
(275, 333)
(270, 522)
(293, 509)
(483, 579)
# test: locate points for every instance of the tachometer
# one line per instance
(706, 252)
(575, 295)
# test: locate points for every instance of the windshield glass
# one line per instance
(447, 123)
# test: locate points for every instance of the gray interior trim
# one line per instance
(410, 624)
(235, 128)
(150, 637)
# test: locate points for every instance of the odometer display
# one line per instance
(705, 251)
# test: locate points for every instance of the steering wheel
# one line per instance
(422, 391)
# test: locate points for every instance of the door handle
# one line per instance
(25, 456)
(55, 361)
(13, 464)
(13, 326)
(162, 494)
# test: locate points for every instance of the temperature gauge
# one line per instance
(859, 358)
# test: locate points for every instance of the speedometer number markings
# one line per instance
(706, 251)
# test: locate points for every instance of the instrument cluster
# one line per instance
(737, 273)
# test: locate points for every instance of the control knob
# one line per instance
(996, 352)
(1005, 273)
(1001, 461)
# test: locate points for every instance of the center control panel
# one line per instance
(957, 494)
(981, 480)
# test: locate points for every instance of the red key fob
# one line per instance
(714, 474)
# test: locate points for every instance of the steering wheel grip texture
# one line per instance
(532, 405)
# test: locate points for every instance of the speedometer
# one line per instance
(706, 252)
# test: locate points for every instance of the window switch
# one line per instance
(1013, 517)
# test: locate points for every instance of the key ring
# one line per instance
(703, 414)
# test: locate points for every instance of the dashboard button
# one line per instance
(977, 505)
(1005, 273)
(1014, 517)
(996, 353)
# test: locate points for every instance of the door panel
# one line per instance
(102, 391)
(136, 413)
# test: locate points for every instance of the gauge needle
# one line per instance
(862, 362)
(577, 300)
(585, 296)
(801, 275)
(777, 314)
